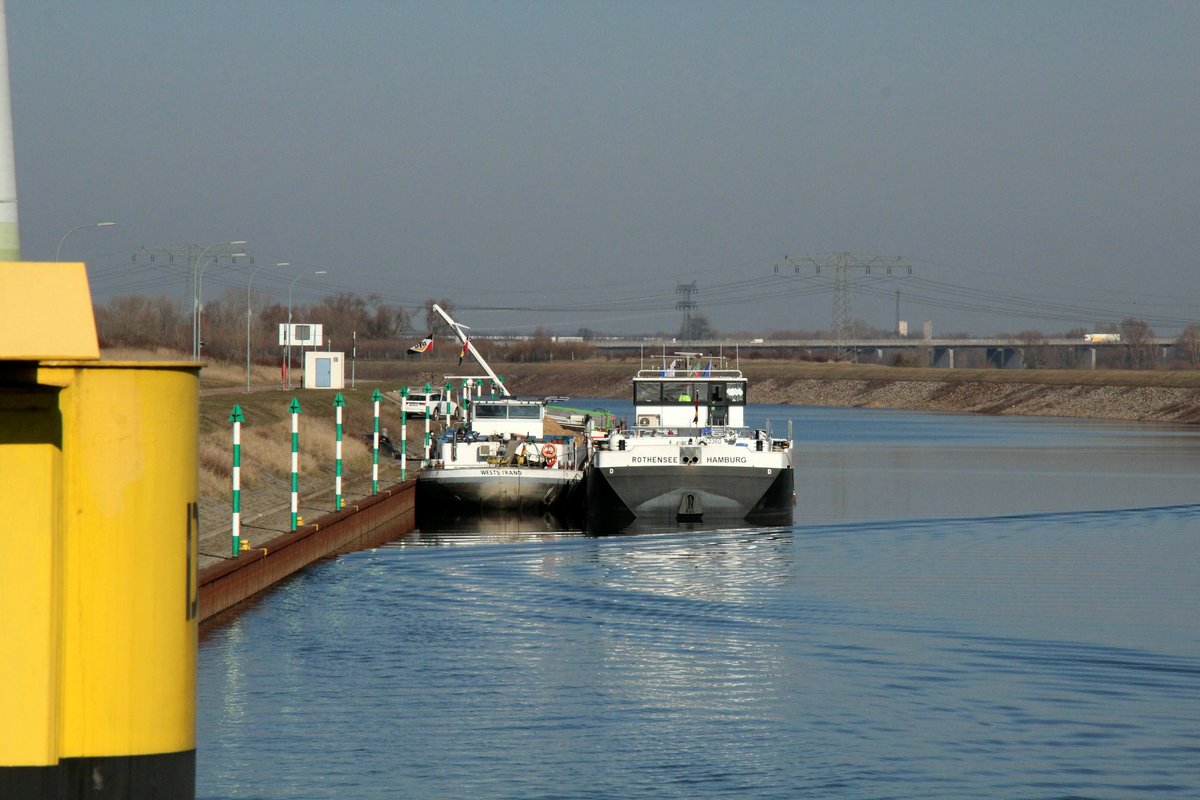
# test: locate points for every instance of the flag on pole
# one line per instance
(466, 346)
(422, 346)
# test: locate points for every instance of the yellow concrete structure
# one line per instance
(98, 594)
(44, 313)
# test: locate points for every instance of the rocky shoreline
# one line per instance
(1134, 403)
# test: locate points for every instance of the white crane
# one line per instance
(459, 330)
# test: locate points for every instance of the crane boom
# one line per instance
(458, 330)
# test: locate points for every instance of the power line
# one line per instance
(842, 264)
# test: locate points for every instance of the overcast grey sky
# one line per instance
(1035, 162)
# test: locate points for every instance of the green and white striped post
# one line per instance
(425, 454)
(237, 419)
(464, 403)
(294, 408)
(339, 403)
(376, 397)
(446, 401)
(404, 433)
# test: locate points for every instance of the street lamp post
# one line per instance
(58, 250)
(289, 323)
(200, 300)
(197, 271)
(253, 272)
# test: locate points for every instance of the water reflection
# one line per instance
(974, 608)
(447, 526)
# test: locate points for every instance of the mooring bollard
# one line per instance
(425, 452)
(375, 398)
(339, 403)
(237, 419)
(294, 408)
(404, 433)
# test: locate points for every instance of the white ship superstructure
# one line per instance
(500, 458)
(689, 456)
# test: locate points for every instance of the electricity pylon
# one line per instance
(842, 263)
(687, 305)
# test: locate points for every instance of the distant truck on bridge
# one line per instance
(1096, 338)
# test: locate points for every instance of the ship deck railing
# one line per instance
(713, 433)
(693, 372)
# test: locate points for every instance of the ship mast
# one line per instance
(462, 337)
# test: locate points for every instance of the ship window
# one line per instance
(486, 411)
(524, 412)
(647, 392)
(736, 392)
(678, 392)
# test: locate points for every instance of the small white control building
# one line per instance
(324, 370)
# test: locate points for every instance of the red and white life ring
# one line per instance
(550, 453)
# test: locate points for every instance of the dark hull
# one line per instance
(669, 496)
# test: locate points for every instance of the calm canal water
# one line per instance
(966, 607)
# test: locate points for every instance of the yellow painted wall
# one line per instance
(98, 482)
(130, 491)
(30, 575)
(46, 312)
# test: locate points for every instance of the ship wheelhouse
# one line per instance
(696, 398)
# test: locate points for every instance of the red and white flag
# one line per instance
(466, 346)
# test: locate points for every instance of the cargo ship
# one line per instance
(688, 457)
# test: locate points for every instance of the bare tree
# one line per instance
(541, 346)
(386, 321)
(1189, 344)
(700, 329)
(224, 326)
(1036, 348)
(433, 321)
(138, 321)
(1136, 335)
